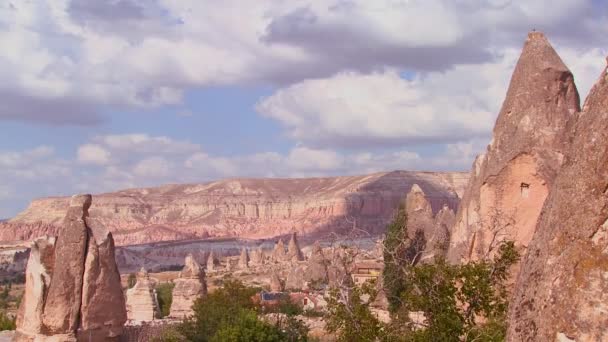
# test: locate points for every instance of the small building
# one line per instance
(367, 270)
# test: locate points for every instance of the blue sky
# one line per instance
(99, 96)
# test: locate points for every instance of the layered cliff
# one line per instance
(248, 208)
(509, 184)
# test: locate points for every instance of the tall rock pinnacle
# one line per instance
(294, 253)
(562, 290)
(509, 184)
(75, 291)
(190, 285)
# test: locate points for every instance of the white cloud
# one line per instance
(65, 60)
(153, 167)
(93, 154)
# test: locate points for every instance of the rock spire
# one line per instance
(294, 253)
(562, 290)
(190, 285)
(510, 182)
(80, 295)
(142, 304)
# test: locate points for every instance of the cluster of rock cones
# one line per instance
(73, 289)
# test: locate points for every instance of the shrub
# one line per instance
(164, 294)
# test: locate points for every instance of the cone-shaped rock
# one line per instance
(509, 184)
(275, 283)
(62, 306)
(211, 262)
(294, 253)
(257, 256)
(438, 243)
(419, 212)
(141, 299)
(244, 259)
(562, 291)
(317, 265)
(102, 312)
(190, 285)
(278, 254)
(37, 279)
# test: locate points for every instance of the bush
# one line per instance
(164, 294)
(229, 314)
(6, 322)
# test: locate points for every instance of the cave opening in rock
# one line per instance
(525, 189)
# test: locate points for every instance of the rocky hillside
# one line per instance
(246, 208)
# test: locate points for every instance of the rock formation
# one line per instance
(562, 290)
(509, 184)
(294, 254)
(38, 277)
(246, 208)
(212, 262)
(190, 285)
(257, 256)
(317, 265)
(278, 253)
(275, 283)
(142, 304)
(80, 295)
(243, 259)
(296, 278)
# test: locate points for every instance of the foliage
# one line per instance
(164, 294)
(6, 322)
(465, 302)
(394, 247)
(349, 316)
(246, 327)
(131, 280)
(229, 314)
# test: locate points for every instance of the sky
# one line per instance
(103, 95)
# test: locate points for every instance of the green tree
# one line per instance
(164, 294)
(349, 316)
(229, 314)
(395, 243)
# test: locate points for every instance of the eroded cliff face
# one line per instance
(562, 291)
(510, 182)
(247, 208)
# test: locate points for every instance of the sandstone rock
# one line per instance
(257, 256)
(102, 312)
(278, 254)
(38, 277)
(141, 303)
(296, 278)
(275, 283)
(84, 299)
(562, 290)
(439, 241)
(243, 259)
(212, 262)
(190, 285)
(316, 271)
(419, 215)
(294, 253)
(62, 306)
(509, 184)
(245, 208)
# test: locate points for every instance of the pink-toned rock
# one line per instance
(294, 253)
(102, 312)
(62, 306)
(562, 290)
(141, 303)
(37, 279)
(275, 283)
(278, 253)
(257, 256)
(190, 285)
(509, 184)
(73, 289)
(245, 208)
(243, 259)
(212, 262)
